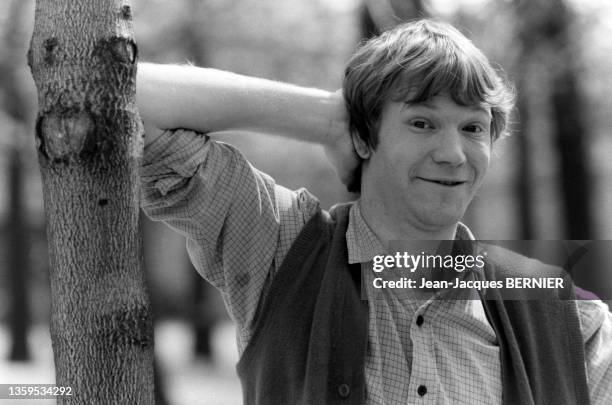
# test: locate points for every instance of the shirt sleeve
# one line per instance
(596, 327)
(238, 222)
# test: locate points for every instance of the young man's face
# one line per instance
(430, 160)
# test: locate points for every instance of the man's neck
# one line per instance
(388, 228)
(401, 236)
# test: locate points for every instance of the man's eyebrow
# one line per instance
(430, 105)
(425, 103)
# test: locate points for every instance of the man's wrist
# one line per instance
(337, 122)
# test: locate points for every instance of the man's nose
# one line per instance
(449, 148)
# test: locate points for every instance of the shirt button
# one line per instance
(422, 390)
(420, 320)
(344, 390)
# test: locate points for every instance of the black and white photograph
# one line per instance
(306, 202)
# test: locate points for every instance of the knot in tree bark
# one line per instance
(64, 133)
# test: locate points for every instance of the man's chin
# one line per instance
(442, 219)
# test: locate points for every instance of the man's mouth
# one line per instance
(444, 182)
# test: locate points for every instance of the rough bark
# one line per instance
(89, 140)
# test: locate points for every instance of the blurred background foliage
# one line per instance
(551, 179)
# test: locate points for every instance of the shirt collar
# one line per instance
(363, 244)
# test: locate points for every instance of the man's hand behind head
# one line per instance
(339, 146)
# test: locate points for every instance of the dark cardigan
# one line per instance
(310, 339)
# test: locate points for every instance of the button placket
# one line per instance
(423, 371)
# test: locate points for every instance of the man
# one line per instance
(423, 106)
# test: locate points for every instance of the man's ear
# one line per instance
(361, 147)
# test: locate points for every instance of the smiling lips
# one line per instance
(444, 182)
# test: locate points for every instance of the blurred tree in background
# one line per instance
(204, 309)
(17, 227)
(545, 38)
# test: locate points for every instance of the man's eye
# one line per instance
(421, 124)
(476, 129)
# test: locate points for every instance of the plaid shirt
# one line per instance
(239, 226)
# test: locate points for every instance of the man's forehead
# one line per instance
(435, 104)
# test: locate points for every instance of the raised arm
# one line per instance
(239, 223)
(209, 100)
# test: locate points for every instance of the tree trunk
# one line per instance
(571, 138)
(523, 185)
(571, 134)
(545, 26)
(89, 141)
(386, 14)
(18, 259)
(368, 26)
(18, 242)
